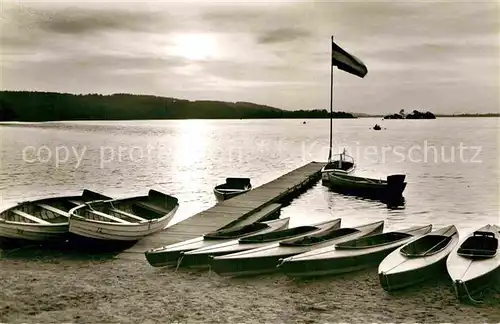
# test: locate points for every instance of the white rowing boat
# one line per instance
(232, 188)
(475, 263)
(349, 255)
(169, 255)
(418, 260)
(43, 219)
(266, 259)
(127, 219)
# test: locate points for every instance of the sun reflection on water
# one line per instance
(190, 145)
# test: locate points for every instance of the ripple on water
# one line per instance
(188, 158)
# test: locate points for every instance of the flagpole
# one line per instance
(331, 99)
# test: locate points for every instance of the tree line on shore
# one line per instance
(50, 106)
(413, 115)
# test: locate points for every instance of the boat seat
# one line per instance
(121, 212)
(477, 253)
(55, 210)
(116, 219)
(237, 183)
(483, 233)
(152, 207)
(30, 217)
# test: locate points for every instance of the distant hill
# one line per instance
(364, 115)
(50, 106)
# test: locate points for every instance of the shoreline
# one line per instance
(77, 287)
(18, 122)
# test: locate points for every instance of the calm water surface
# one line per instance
(452, 164)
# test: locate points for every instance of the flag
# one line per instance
(347, 62)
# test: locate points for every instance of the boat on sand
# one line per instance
(475, 263)
(170, 254)
(351, 255)
(128, 219)
(201, 256)
(266, 258)
(418, 260)
(44, 219)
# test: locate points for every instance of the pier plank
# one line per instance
(255, 205)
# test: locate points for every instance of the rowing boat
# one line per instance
(338, 164)
(266, 258)
(389, 189)
(351, 255)
(201, 256)
(43, 219)
(475, 263)
(232, 188)
(170, 254)
(418, 260)
(128, 219)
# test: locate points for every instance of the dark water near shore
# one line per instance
(452, 164)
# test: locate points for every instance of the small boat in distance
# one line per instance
(43, 219)
(386, 190)
(475, 263)
(128, 219)
(348, 256)
(233, 187)
(338, 164)
(170, 254)
(418, 260)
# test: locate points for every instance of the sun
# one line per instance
(195, 46)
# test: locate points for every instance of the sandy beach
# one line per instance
(61, 288)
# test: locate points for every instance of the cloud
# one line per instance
(281, 35)
(95, 21)
(271, 52)
(78, 21)
(265, 75)
(261, 19)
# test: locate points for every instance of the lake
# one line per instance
(452, 164)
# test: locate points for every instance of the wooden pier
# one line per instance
(258, 204)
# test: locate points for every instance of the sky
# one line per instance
(437, 56)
